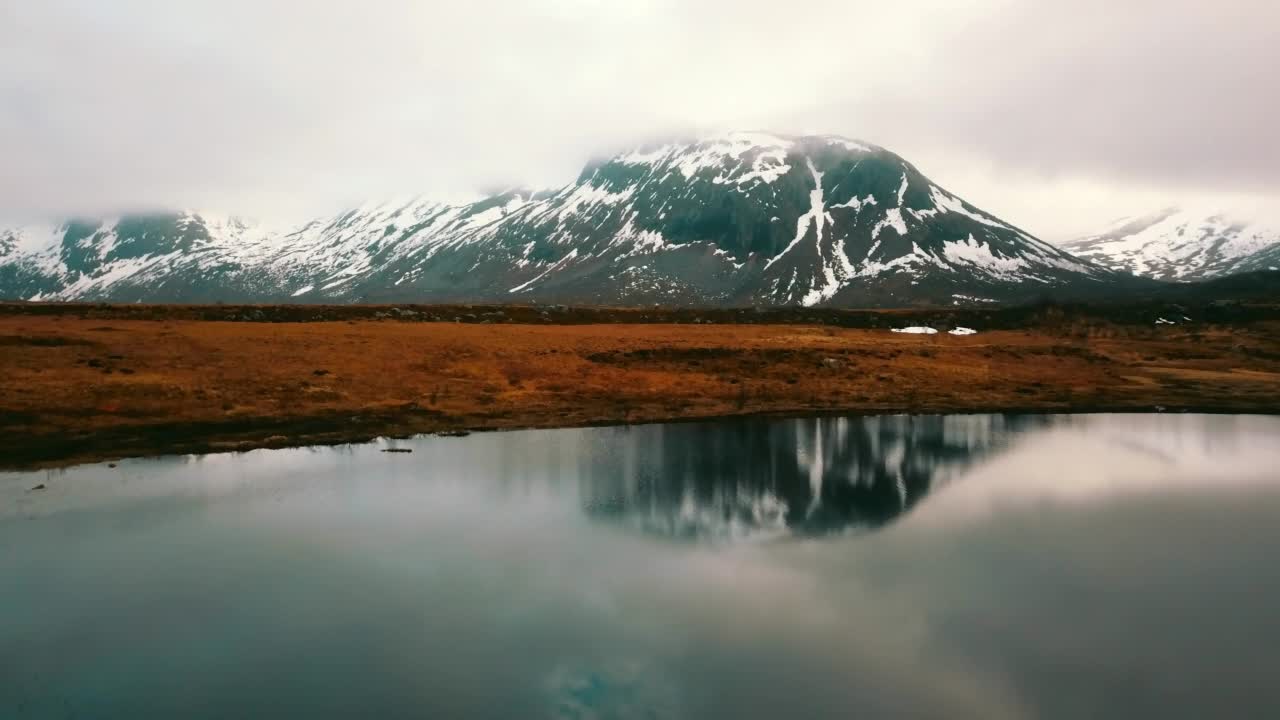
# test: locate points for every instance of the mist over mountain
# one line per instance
(736, 219)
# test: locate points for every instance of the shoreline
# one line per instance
(78, 388)
(302, 433)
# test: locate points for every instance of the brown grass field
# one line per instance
(86, 386)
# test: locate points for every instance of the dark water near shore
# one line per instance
(905, 567)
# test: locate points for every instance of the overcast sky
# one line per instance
(1058, 116)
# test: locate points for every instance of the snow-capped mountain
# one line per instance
(1176, 244)
(743, 218)
(178, 256)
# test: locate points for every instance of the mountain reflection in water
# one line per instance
(1028, 568)
(809, 476)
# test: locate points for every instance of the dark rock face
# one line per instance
(746, 218)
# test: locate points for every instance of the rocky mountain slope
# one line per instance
(1176, 244)
(744, 218)
(1265, 259)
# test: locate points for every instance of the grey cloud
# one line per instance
(292, 107)
(1179, 93)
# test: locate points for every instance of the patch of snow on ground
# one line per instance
(916, 330)
(958, 297)
(304, 291)
(963, 331)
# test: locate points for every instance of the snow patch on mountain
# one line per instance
(917, 259)
(768, 166)
(816, 217)
(980, 256)
(589, 196)
(562, 261)
(856, 203)
(835, 269)
(1177, 244)
(737, 218)
(640, 242)
(944, 202)
(37, 246)
(892, 219)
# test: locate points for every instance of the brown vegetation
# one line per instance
(91, 385)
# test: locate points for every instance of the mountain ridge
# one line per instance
(736, 219)
(1177, 244)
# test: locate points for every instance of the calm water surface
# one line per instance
(897, 567)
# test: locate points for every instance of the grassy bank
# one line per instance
(109, 381)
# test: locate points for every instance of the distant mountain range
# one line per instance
(738, 219)
(1176, 244)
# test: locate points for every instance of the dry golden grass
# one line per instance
(75, 388)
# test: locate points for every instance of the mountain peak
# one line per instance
(736, 218)
(1176, 243)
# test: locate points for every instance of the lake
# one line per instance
(983, 566)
